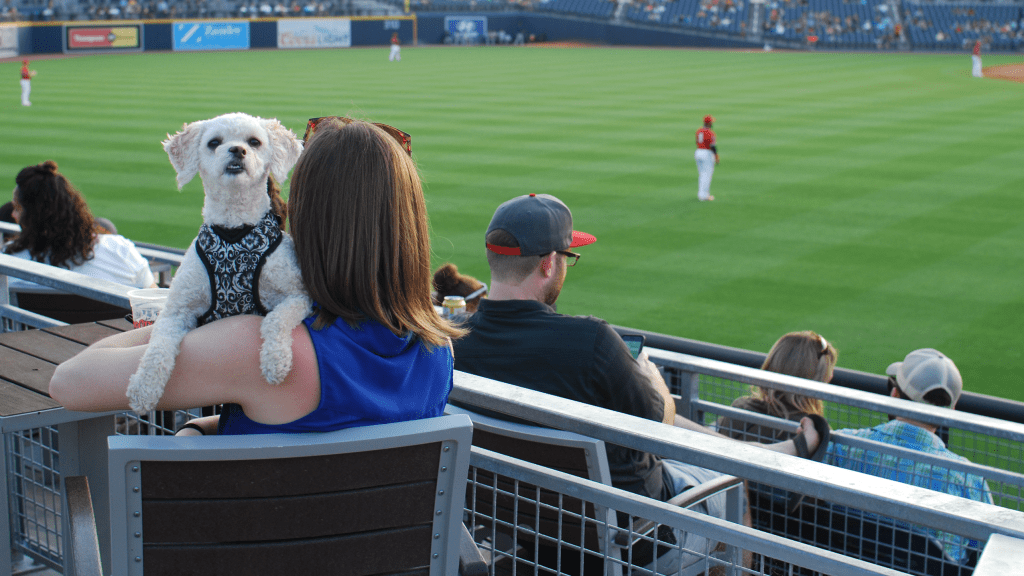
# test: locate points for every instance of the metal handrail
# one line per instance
(829, 392)
(904, 502)
(61, 279)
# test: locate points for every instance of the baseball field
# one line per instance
(874, 198)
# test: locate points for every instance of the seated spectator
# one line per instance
(801, 354)
(58, 229)
(372, 352)
(517, 337)
(448, 282)
(926, 376)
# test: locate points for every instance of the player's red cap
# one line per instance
(709, 119)
(24, 61)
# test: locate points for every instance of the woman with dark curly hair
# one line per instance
(58, 229)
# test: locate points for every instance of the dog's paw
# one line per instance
(143, 392)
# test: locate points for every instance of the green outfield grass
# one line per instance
(875, 198)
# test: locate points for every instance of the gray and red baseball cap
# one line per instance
(540, 223)
(925, 370)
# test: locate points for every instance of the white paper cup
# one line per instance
(147, 304)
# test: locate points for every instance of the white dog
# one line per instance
(234, 154)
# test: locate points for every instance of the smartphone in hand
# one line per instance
(635, 343)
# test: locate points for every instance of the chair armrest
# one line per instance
(704, 491)
(684, 499)
(471, 561)
(85, 545)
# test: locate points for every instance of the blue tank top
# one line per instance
(367, 376)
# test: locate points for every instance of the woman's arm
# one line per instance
(208, 424)
(218, 363)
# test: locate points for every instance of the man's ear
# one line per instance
(895, 393)
(547, 264)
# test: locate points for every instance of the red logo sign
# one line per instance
(98, 38)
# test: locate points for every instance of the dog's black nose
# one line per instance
(238, 151)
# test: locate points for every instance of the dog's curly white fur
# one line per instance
(234, 154)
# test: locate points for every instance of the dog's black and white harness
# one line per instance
(234, 258)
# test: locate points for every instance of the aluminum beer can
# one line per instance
(454, 306)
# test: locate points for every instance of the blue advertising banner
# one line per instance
(229, 35)
(469, 29)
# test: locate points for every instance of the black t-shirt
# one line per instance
(526, 343)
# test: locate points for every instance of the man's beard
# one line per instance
(555, 288)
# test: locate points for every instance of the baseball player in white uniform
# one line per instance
(26, 82)
(976, 60)
(706, 156)
(396, 49)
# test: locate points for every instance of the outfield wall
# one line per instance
(209, 35)
(562, 28)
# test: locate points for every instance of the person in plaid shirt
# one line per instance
(928, 376)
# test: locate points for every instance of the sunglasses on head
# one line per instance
(404, 139)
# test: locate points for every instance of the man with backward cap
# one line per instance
(930, 377)
(516, 336)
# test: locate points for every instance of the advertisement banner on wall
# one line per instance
(103, 38)
(229, 35)
(466, 28)
(8, 42)
(296, 33)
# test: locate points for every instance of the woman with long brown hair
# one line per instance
(58, 229)
(803, 354)
(373, 350)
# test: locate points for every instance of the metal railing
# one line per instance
(992, 448)
(706, 388)
(526, 549)
(34, 483)
(854, 501)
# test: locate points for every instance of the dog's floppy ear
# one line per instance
(286, 148)
(183, 150)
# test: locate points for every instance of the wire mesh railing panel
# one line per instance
(916, 550)
(978, 447)
(35, 496)
(996, 452)
(524, 529)
(528, 527)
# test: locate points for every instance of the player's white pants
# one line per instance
(976, 66)
(26, 89)
(396, 53)
(705, 168)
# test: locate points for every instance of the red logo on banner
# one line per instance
(91, 38)
(104, 38)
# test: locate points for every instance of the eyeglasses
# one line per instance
(571, 258)
(404, 139)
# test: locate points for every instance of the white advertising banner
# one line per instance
(317, 33)
(8, 41)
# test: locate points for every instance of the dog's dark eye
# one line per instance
(254, 142)
(213, 144)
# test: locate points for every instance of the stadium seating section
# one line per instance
(826, 24)
(958, 26)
